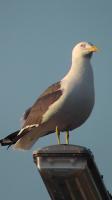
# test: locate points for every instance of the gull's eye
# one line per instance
(83, 45)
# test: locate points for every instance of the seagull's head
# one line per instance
(83, 49)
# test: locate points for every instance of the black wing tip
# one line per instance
(5, 142)
(9, 140)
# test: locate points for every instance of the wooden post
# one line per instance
(69, 172)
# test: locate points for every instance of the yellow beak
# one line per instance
(93, 49)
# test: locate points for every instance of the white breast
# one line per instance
(76, 103)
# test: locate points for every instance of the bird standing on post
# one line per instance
(64, 106)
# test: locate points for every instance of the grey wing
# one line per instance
(34, 114)
(24, 116)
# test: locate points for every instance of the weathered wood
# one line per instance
(70, 173)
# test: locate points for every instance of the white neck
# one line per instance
(78, 67)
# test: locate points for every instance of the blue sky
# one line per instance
(36, 39)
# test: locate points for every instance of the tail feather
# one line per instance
(24, 140)
(29, 139)
(12, 138)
